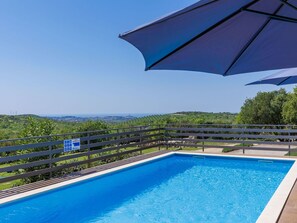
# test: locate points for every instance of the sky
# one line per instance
(65, 57)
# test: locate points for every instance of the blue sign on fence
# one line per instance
(71, 145)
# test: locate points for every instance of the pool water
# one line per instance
(178, 188)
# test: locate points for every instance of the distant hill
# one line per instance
(205, 113)
(110, 118)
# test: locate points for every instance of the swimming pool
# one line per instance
(174, 188)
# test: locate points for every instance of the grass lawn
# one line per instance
(291, 154)
(227, 150)
(7, 185)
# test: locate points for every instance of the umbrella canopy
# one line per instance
(221, 36)
(280, 78)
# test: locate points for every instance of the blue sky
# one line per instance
(65, 57)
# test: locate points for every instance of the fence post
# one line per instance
(202, 140)
(51, 158)
(118, 137)
(242, 140)
(159, 142)
(89, 150)
(202, 143)
(140, 139)
(166, 138)
(289, 144)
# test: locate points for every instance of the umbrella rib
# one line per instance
(251, 41)
(272, 16)
(203, 33)
(280, 83)
(289, 4)
(168, 18)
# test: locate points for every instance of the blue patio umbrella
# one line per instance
(224, 37)
(284, 77)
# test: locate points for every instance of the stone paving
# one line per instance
(289, 213)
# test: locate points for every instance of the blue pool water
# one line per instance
(175, 189)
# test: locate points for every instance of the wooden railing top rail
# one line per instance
(229, 125)
(245, 130)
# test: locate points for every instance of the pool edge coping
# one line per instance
(277, 202)
(271, 212)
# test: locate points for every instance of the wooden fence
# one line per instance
(44, 157)
(37, 158)
(233, 137)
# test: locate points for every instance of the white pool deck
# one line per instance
(273, 212)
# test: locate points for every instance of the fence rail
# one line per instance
(248, 137)
(44, 157)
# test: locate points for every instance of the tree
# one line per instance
(277, 104)
(289, 113)
(35, 127)
(92, 126)
(265, 108)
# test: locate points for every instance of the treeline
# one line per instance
(15, 126)
(21, 126)
(182, 118)
(32, 125)
(275, 107)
